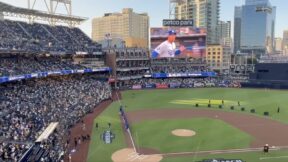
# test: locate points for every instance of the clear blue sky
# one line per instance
(157, 10)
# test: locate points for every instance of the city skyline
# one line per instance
(156, 10)
(205, 14)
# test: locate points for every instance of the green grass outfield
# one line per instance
(211, 134)
(273, 156)
(259, 99)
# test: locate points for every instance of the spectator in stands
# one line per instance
(11, 66)
(21, 36)
(28, 110)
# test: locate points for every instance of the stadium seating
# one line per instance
(182, 82)
(27, 107)
(184, 65)
(20, 36)
(16, 65)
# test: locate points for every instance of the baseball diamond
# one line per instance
(217, 133)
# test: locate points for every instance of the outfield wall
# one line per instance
(176, 85)
(269, 75)
(270, 72)
(265, 84)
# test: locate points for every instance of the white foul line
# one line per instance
(278, 157)
(128, 130)
(221, 151)
(133, 144)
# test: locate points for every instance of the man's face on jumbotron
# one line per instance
(172, 38)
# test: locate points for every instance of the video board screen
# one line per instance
(178, 42)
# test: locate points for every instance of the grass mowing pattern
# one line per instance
(259, 99)
(211, 134)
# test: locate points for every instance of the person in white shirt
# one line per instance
(168, 47)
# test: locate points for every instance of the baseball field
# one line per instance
(180, 125)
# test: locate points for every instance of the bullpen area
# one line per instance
(193, 125)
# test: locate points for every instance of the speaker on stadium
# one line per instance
(197, 105)
(209, 105)
(242, 108)
(266, 113)
(220, 107)
(232, 107)
(252, 110)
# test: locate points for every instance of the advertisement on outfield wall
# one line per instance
(178, 42)
(162, 86)
(136, 87)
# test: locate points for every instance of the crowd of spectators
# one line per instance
(133, 63)
(28, 107)
(20, 36)
(177, 69)
(13, 37)
(135, 53)
(177, 61)
(236, 77)
(131, 73)
(183, 82)
(10, 66)
(181, 65)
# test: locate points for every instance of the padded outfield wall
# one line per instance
(269, 75)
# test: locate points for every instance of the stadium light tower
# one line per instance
(172, 8)
(51, 6)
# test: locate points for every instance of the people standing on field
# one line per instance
(278, 110)
(266, 148)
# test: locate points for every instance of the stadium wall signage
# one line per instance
(175, 75)
(45, 74)
(168, 22)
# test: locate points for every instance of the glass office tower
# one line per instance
(257, 27)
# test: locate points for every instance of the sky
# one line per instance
(156, 9)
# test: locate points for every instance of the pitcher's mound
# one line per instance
(128, 154)
(183, 132)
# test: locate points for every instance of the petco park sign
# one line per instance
(167, 22)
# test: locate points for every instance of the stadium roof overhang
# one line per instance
(12, 11)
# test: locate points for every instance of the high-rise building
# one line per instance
(218, 57)
(237, 28)
(129, 26)
(278, 45)
(224, 32)
(205, 13)
(285, 42)
(256, 2)
(255, 21)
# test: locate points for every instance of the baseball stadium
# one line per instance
(168, 97)
(181, 125)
